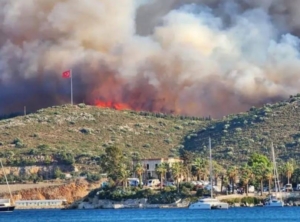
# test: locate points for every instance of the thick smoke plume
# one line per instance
(200, 57)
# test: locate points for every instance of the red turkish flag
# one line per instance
(66, 74)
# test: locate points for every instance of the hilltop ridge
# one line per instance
(238, 135)
(79, 134)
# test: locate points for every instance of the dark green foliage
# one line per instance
(43, 147)
(18, 143)
(250, 200)
(120, 194)
(113, 162)
(58, 174)
(186, 185)
(164, 198)
(202, 192)
(92, 177)
(86, 130)
(66, 158)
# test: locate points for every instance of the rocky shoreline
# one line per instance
(142, 204)
(126, 204)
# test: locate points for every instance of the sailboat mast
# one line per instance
(210, 169)
(6, 180)
(274, 170)
(277, 185)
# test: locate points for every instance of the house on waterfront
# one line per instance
(151, 164)
(23, 204)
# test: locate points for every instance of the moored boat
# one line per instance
(5, 204)
(209, 203)
(272, 200)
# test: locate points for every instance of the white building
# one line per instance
(151, 164)
(40, 203)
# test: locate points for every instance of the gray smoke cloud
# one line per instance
(193, 57)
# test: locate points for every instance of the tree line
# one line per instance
(257, 171)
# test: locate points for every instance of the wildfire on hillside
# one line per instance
(111, 104)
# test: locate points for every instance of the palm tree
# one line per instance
(246, 175)
(161, 171)
(200, 167)
(217, 171)
(139, 170)
(177, 169)
(289, 169)
(269, 176)
(296, 176)
(260, 172)
(187, 157)
(232, 173)
(123, 174)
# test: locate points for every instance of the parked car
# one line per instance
(287, 188)
(298, 187)
(169, 184)
(153, 182)
(215, 188)
(133, 182)
(251, 189)
(204, 183)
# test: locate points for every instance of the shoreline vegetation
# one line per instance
(166, 198)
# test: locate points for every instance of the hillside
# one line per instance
(79, 134)
(235, 137)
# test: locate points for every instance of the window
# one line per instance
(156, 165)
(147, 166)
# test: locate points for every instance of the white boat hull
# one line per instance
(274, 204)
(118, 206)
(197, 206)
(208, 206)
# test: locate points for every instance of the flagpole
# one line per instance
(71, 87)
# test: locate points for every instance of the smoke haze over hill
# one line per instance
(200, 57)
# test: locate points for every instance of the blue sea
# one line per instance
(155, 215)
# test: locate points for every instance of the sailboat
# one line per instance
(211, 202)
(272, 200)
(6, 205)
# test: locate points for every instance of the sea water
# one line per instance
(155, 215)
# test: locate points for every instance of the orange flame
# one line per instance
(110, 104)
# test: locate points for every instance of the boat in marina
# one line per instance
(6, 205)
(211, 202)
(208, 204)
(273, 200)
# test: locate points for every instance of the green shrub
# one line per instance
(185, 191)
(168, 141)
(147, 145)
(43, 147)
(186, 185)
(19, 145)
(178, 127)
(81, 105)
(17, 140)
(170, 188)
(86, 131)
